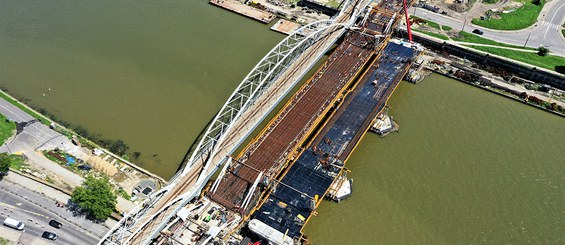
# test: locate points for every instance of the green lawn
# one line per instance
(17, 162)
(23, 108)
(563, 32)
(432, 24)
(4, 241)
(7, 128)
(472, 38)
(446, 28)
(549, 62)
(519, 19)
(433, 34)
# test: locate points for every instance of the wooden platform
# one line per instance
(245, 10)
(285, 26)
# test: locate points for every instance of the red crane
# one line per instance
(407, 21)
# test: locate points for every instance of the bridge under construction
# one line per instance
(269, 190)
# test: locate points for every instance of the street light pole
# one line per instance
(527, 39)
(20, 238)
(464, 22)
(8, 148)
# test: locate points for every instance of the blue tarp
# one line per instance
(70, 160)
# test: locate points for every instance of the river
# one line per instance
(467, 166)
(149, 73)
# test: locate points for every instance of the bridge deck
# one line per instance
(269, 152)
(316, 168)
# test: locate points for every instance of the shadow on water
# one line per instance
(194, 144)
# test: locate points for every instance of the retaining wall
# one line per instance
(525, 71)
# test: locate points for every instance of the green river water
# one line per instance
(467, 167)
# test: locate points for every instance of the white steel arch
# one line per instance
(187, 196)
(252, 86)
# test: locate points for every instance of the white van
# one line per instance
(18, 225)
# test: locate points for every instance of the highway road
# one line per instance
(36, 218)
(546, 31)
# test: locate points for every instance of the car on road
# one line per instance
(16, 224)
(55, 224)
(478, 32)
(49, 235)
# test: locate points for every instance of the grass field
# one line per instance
(549, 62)
(519, 19)
(7, 129)
(433, 34)
(4, 241)
(432, 24)
(472, 38)
(446, 28)
(16, 162)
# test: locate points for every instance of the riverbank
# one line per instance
(68, 132)
(514, 88)
(59, 159)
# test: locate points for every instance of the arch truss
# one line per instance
(252, 87)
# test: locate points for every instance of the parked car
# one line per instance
(49, 235)
(55, 224)
(478, 32)
(85, 167)
(12, 223)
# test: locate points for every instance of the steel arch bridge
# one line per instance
(260, 79)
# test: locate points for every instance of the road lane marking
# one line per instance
(553, 18)
(550, 25)
(12, 112)
(23, 210)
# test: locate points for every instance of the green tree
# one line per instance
(4, 165)
(543, 51)
(95, 198)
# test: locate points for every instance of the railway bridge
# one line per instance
(255, 97)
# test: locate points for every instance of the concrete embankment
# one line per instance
(485, 60)
(492, 73)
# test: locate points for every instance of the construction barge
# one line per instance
(269, 191)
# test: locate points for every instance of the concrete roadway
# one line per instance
(546, 31)
(37, 219)
(38, 136)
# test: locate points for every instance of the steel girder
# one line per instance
(300, 43)
(252, 86)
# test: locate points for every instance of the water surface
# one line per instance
(467, 167)
(152, 73)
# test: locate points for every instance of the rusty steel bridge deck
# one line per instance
(279, 142)
(269, 152)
